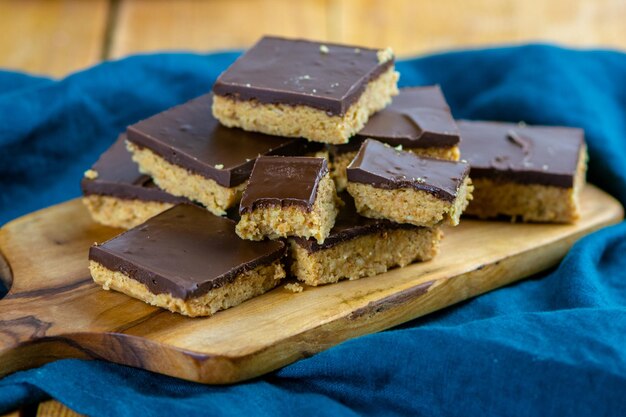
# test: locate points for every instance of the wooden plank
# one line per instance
(151, 25)
(412, 27)
(52, 37)
(50, 408)
(54, 310)
(59, 36)
(55, 409)
(408, 26)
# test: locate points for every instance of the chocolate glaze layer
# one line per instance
(349, 225)
(118, 176)
(184, 251)
(418, 117)
(283, 181)
(325, 76)
(382, 166)
(522, 154)
(189, 136)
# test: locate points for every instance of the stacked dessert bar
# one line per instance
(307, 161)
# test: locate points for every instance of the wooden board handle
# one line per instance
(20, 334)
(6, 275)
(17, 331)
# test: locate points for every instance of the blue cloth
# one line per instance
(551, 345)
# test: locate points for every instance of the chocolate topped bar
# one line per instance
(348, 225)
(117, 175)
(184, 251)
(523, 154)
(325, 76)
(418, 117)
(189, 136)
(283, 181)
(382, 166)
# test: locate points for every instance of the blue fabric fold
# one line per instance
(552, 345)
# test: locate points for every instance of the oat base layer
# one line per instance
(340, 162)
(529, 202)
(276, 222)
(125, 214)
(182, 183)
(364, 256)
(245, 286)
(305, 121)
(408, 205)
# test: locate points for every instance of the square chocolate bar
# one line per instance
(387, 183)
(534, 173)
(297, 88)
(288, 196)
(187, 261)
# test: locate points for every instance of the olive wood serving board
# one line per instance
(54, 310)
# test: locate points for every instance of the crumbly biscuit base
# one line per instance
(340, 162)
(182, 183)
(276, 222)
(122, 213)
(408, 205)
(529, 202)
(247, 285)
(364, 256)
(305, 121)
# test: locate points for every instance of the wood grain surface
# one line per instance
(56, 37)
(52, 37)
(412, 27)
(150, 25)
(54, 310)
(409, 26)
(54, 409)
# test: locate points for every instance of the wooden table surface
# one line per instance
(57, 37)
